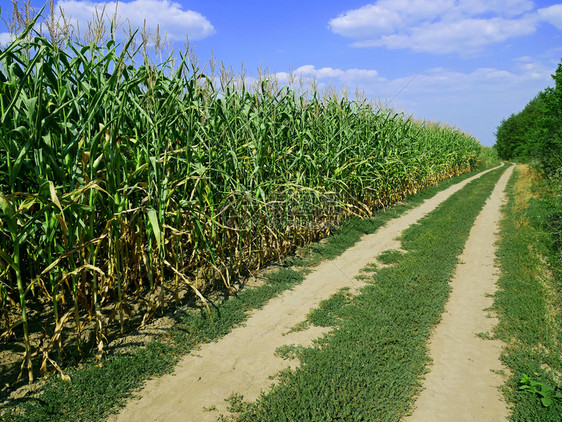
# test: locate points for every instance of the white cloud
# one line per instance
(474, 101)
(359, 74)
(5, 38)
(508, 8)
(552, 14)
(368, 21)
(171, 18)
(466, 35)
(322, 73)
(348, 76)
(440, 26)
(438, 81)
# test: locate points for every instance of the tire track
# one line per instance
(463, 381)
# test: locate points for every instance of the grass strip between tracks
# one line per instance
(370, 366)
(529, 299)
(97, 390)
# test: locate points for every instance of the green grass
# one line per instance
(389, 257)
(529, 298)
(370, 366)
(96, 390)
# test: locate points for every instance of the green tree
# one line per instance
(515, 136)
(550, 148)
(535, 133)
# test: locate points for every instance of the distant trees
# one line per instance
(535, 133)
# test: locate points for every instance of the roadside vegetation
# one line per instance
(128, 184)
(529, 299)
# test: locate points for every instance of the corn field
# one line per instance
(124, 183)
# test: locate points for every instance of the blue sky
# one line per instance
(467, 63)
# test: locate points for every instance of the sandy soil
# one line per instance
(243, 362)
(463, 381)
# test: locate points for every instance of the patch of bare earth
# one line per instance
(244, 362)
(464, 379)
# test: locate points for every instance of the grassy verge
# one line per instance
(369, 367)
(96, 390)
(529, 299)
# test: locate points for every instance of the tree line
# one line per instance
(535, 133)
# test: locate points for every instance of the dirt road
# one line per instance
(243, 361)
(463, 381)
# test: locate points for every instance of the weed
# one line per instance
(544, 391)
(389, 257)
(484, 335)
(289, 351)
